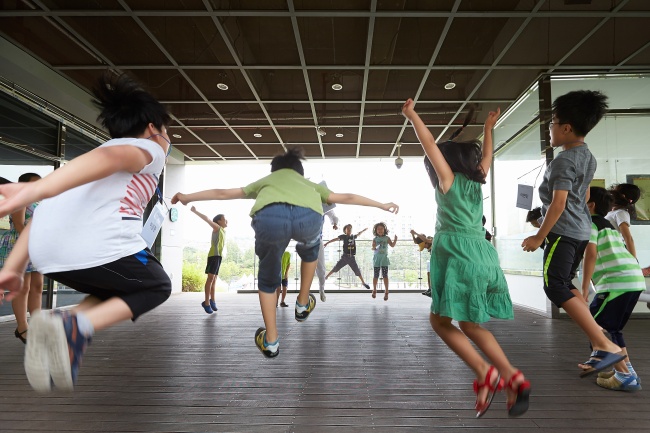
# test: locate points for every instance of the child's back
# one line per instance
(461, 208)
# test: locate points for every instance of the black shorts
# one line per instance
(214, 263)
(615, 313)
(139, 280)
(562, 256)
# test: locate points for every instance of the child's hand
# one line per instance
(408, 108)
(193, 209)
(180, 197)
(12, 282)
(390, 207)
(412, 231)
(531, 243)
(585, 294)
(492, 118)
(395, 238)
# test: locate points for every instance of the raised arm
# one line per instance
(488, 146)
(94, 165)
(209, 194)
(348, 198)
(393, 242)
(215, 226)
(330, 241)
(359, 234)
(445, 175)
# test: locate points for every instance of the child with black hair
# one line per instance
(624, 196)
(380, 259)
(467, 283)
(287, 206)
(618, 282)
(349, 253)
(85, 233)
(215, 256)
(566, 225)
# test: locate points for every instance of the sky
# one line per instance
(379, 179)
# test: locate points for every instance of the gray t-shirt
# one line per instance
(571, 170)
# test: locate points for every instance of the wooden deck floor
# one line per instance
(357, 365)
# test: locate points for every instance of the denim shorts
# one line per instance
(275, 225)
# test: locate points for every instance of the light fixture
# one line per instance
(399, 161)
(257, 135)
(222, 86)
(320, 131)
(176, 135)
(339, 135)
(450, 85)
(336, 84)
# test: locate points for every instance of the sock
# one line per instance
(273, 347)
(622, 377)
(85, 327)
(630, 368)
(301, 308)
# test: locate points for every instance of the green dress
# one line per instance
(467, 283)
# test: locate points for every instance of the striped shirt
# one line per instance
(616, 270)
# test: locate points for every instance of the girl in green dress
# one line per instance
(467, 283)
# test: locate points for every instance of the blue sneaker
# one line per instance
(207, 308)
(213, 305)
(66, 347)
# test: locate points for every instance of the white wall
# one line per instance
(528, 291)
(172, 232)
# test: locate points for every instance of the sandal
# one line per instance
(21, 335)
(600, 360)
(482, 408)
(520, 405)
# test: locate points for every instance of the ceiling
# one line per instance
(280, 58)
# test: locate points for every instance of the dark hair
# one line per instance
(4, 181)
(463, 157)
(126, 109)
(217, 218)
(582, 109)
(27, 177)
(290, 159)
(374, 229)
(624, 196)
(602, 200)
(346, 226)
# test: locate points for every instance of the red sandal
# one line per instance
(520, 405)
(482, 408)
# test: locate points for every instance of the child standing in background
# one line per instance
(286, 264)
(380, 259)
(624, 196)
(618, 281)
(467, 283)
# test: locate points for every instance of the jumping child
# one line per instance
(467, 283)
(380, 259)
(349, 252)
(566, 225)
(287, 206)
(85, 233)
(618, 281)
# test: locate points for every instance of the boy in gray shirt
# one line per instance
(566, 224)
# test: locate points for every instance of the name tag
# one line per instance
(153, 224)
(524, 196)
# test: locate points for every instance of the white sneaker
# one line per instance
(322, 295)
(37, 366)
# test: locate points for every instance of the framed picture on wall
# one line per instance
(598, 182)
(643, 205)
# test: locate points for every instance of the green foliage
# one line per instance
(193, 277)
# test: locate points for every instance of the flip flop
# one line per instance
(601, 360)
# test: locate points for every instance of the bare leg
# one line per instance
(108, 313)
(307, 270)
(19, 304)
(35, 298)
(277, 295)
(89, 302)
(385, 288)
(213, 287)
(268, 303)
(579, 312)
(209, 290)
(284, 293)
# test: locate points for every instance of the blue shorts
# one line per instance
(275, 225)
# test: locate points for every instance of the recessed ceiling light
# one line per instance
(339, 134)
(222, 86)
(337, 86)
(450, 85)
(176, 135)
(257, 135)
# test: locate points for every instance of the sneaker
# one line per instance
(366, 285)
(66, 347)
(213, 305)
(37, 366)
(311, 304)
(427, 293)
(628, 385)
(207, 308)
(606, 374)
(322, 295)
(260, 342)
